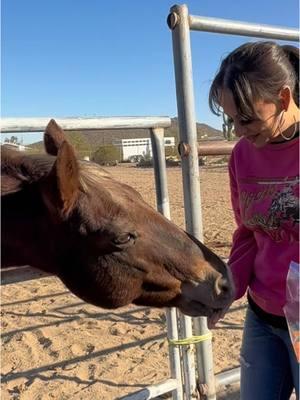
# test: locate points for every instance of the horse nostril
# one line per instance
(222, 286)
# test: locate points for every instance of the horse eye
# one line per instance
(124, 238)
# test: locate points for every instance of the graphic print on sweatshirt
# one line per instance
(271, 206)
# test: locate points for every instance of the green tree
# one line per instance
(80, 144)
(171, 151)
(228, 128)
(13, 139)
(106, 155)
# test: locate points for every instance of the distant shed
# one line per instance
(133, 149)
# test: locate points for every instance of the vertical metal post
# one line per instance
(174, 352)
(178, 21)
(163, 206)
(204, 358)
(189, 371)
(160, 172)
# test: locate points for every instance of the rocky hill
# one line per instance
(97, 138)
(92, 139)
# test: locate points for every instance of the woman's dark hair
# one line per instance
(256, 71)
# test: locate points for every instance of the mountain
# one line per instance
(97, 138)
(91, 139)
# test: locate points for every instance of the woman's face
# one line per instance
(258, 131)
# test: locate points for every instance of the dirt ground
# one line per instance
(55, 346)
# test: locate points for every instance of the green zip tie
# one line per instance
(190, 340)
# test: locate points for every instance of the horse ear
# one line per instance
(62, 185)
(54, 136)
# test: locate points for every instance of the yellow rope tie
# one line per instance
(190, 340)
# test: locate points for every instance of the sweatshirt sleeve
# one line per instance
(244, 248)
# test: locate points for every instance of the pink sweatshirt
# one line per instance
(265, 199)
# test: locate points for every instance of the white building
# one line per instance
(15, 146)
(133, 149)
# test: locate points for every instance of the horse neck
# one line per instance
(23, 230)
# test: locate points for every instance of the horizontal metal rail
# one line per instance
(231, 27)
(217, 148)
(152, 391)
(21, 274)
(228, 377)
(10, 125)
(208, 148)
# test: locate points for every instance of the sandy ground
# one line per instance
(54, 346)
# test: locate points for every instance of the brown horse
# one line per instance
(109, 247)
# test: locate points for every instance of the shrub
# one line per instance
(106, 155)
(171, 151)
(145, 162)
(80, 144)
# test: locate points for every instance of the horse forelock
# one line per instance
(107, 196)
(90, 175)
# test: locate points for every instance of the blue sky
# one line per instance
(65, 58)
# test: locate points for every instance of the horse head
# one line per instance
(101, 238)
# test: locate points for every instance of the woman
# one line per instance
(257, 86)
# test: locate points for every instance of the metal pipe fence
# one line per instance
(13, 125)
(230, 27)
(181, 23)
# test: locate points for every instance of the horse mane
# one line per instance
(90, 174)
(19, 170)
